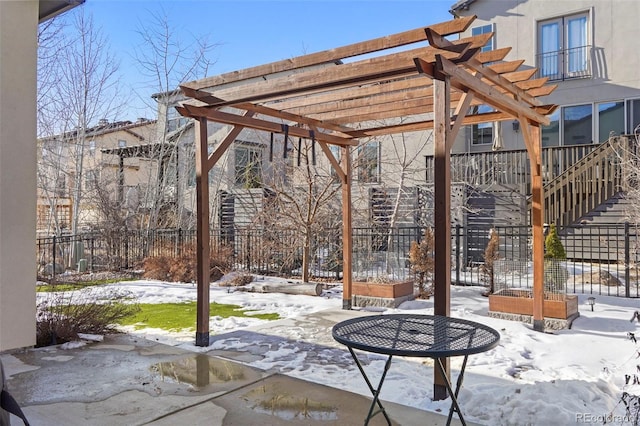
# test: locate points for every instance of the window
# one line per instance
(368, 162)
(551, 133)
(92, 148)
(563, 47)
(248, 166)
(610, 119)
(174, 119)
(481, 134)
(122, 143)
(91, 178)
(61, 186)
(633, 115)
(490, 45)
(577, 123)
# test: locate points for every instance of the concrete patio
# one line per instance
(128, 380)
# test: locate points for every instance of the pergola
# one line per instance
(158, 151)
(411, 81)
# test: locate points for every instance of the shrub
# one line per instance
(491, 254)
(156, 267)
(555, 274)
(241, 279)
(421, 259)
(553, 245)
(60, 316)
(183, 267)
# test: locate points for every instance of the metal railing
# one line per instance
(565, 64)
(509, 167)
(611, 251)
(586, 184)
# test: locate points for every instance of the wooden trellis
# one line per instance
(431, 84)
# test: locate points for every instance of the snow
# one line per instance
(580, 375)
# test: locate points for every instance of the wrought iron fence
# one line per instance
(595, 254)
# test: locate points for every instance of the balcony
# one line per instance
(565, 64)
(577, 179)
(509, 167)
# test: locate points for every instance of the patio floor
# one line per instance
(133, 381)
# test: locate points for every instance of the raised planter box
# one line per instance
(520, 302)
(387, 290)
(381, 294)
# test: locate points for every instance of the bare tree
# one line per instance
(394, 193)
(629, 158)
(83, 92)
(167, 60)
(304, 199)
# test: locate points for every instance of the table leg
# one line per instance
(374, 391)
(452, 393)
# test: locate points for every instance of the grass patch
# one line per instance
(70, 286)
(179, 316)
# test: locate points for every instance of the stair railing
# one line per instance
(586, 184)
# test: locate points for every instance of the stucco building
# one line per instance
(18, 49)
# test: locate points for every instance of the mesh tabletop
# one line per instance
(416, 335)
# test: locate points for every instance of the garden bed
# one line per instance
(381, 294)
(517, 301)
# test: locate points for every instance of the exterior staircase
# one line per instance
(586, 184)
(601, 235)
(587, 204)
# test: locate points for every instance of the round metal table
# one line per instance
(415, 335)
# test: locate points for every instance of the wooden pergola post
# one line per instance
(532, 138)
(347, 235)
(202, 234)
(441, 217)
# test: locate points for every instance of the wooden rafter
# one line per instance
(258, 124)
(332, 77)
(328, 56)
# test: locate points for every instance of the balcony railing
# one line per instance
(509, 167)
(565, 64)
(576, 178)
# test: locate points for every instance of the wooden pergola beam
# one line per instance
(464, 81)
(333, 77)
(258, 124)
(296, 118)
(394, 105)
(422, 125)
(380, 94)
(328, 56)
(298, 105)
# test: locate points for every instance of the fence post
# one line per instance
(91, 244)
(53, 269)
(627, 260)
(458, 254)
(126, 250)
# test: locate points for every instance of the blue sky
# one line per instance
(249, 33)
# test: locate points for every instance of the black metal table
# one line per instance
(414, 335)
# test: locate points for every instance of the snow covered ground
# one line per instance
(589, 374)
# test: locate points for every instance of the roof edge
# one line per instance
(49, 9)
(460, 5)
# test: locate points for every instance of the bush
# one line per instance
(183, 268)
(60, 316)
(553, 246)
(421, 259)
